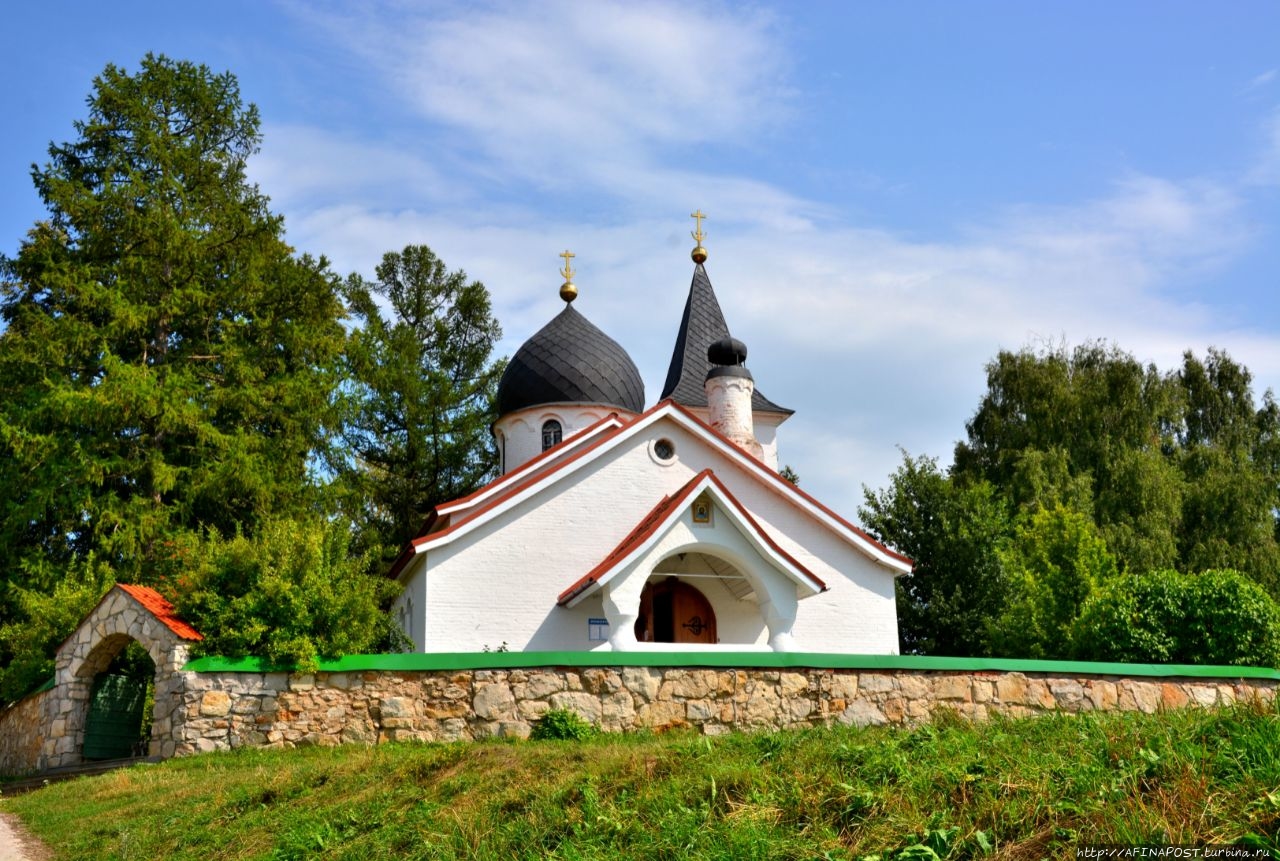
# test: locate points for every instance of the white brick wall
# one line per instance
(500, 582)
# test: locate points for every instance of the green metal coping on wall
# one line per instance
(744, 660)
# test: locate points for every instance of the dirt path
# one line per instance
(16, 844)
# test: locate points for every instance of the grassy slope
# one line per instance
(1026, 788)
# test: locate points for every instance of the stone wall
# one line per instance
(22, 734)
(220, 710)
(223, 710)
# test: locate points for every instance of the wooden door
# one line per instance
(675, 612)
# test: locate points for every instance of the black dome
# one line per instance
(569, 360)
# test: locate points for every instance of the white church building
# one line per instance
(617, 527)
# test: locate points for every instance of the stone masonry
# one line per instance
(21, 734)
(47, 730)
(221, 711)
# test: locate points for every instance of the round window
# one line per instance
(664, 449)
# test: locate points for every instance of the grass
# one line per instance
(1027, 788)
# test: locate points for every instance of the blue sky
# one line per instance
(895, 191)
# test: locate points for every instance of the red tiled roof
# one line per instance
(788, 491)
(157, 606)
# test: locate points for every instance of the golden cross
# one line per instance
(567, 271)
(698, 235)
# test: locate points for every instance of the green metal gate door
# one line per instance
(114, 723)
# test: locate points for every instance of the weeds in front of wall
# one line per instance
(944, 791)
(562, 725)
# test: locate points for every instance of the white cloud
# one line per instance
(1261, 80)
(1266, 171)
(876, 338)
(303, 166)
(562, 83)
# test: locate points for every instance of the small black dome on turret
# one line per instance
(727, 351)
(569, 360)
(728, 358)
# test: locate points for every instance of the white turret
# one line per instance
(729, 388)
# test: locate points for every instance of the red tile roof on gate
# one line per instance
(157, 606)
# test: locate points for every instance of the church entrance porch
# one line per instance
(675, 612)
(697, 598)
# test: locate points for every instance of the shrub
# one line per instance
(1218, 617)
(291, 594)
(1055, 564)
(563, 724)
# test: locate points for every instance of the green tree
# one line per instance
(953, 533)
(1228, 457)
(292, 593)
(1181, 468)
(422, 393)
(1089, 403)
(1056, 562)
(1218, 617)
(40, 620)
(167, 362)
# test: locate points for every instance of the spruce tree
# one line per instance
(167, 362)
(422, 386)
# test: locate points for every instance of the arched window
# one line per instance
(551, 434)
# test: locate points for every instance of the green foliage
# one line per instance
(1218, 617)
(1089, 403)
(1178, 469)
(168, 369)
(563, 725)
(421, 396)
(166, 362)
(1055, 564)
(291, 594)
(1172, 470)
(1031, 788)
(42, 620)
(953, 533)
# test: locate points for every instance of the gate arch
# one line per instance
(126, 613)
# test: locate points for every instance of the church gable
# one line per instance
(707, 516)
(645, 430)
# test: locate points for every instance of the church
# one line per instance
(616, 527)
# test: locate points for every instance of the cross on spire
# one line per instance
(699, 254)
(697, 215)
(568, 291)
